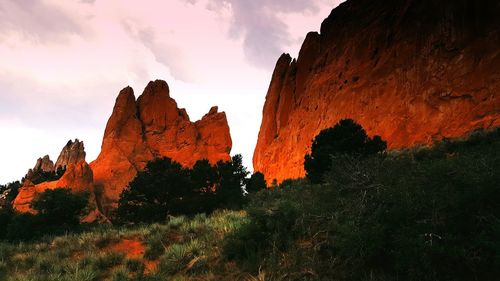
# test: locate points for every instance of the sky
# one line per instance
(62, 64)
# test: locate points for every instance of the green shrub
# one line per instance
(108, 260)
(182, 257)
(24, 226)
(10, 192)
(60, 207)
(134, 265)
(165, 188)
(399, 217)
(270, 229)
(6, 215)
(346, 137)
(3, 268)
(154, 249)
(58, 210)
(41, 176)
(256, 183)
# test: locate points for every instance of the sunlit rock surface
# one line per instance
(412, 71)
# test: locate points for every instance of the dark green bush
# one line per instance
(427, 220)
(60, 206)
(6, 215)
(58, 211)
(166, 188)
(270, 229)
(163, 188)
(9, 193)
(399, 217)
(24, 227)
(231, 180)
(346, 137)
(42, 176)
(256, 183)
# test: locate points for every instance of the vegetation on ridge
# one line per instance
(417, 214)
(422, 214)
(178, 249)
(166, 188)
(346, 137)
(57, 211)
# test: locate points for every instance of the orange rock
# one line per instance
(411, 71)
(153, 126)
(78, 177)
(123, 150)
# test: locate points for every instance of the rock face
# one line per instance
(412, 71)
(43, 164)
(153, 126)
(78, 177)
(72, 152)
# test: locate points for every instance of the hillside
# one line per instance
(420, 214)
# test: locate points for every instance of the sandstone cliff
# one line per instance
(412, 71)
(153, 126)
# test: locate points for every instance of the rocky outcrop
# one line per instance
(153, 126)
(412, 71)
(78, 177)
(72, 152)
(43, 164)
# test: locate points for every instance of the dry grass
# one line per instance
(180, 249)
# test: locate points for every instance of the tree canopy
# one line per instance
(346, 137)
(166, 188)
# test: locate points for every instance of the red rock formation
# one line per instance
(153, 126)
(78, 177)
(72, 152)
(412, 71)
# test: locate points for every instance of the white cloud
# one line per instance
(36, 21)
(261, 25)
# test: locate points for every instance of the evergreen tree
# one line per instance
(346, 137)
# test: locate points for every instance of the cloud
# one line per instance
(52, 107)
(265, 35)
(167, 54)
(36, 21)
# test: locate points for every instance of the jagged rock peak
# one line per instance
(72, 153)
(44, 164)
(125, 97)
(153, 126)
(157, 87)
(213, 110)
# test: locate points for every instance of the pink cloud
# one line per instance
(64, 62)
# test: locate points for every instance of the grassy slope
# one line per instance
(182, 249)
